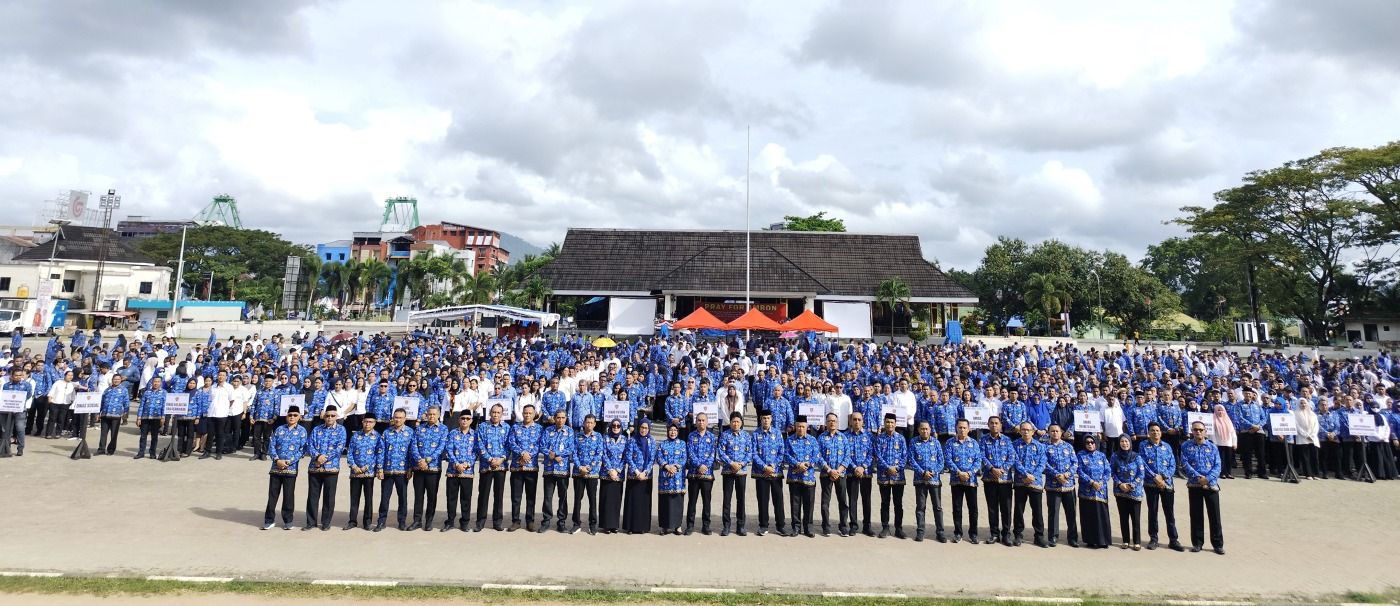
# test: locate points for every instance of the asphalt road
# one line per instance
(115, 515)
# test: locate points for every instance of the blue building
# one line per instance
(334, 252)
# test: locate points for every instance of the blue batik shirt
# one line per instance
(1201, 461)
(963, 456)
(491, 443)
(1094, 467)
(671, 452)
(862, 451)
(328, 441)
(802, 450)
(362, 453)
(1127, 469)
(429, 442)
(460, 450)
(1029, 465)
(890, 453)
(557, 441)
(288, 444)
(394, 445)
(768, 451)
(588, 452)
(152, 404)
(614, 456)
(1060, 460)
(524, 445)
(115, 401)
(997, 453)
(925, 456)
(1158, 460)
(735, 447)
(700, 450)
(836, 452)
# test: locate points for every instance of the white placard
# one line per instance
(1283, 424)
(409, 405)
(815, 413)
(177, 404)
(900, 420)
(289, 400)
(1088, 421)
(617, 410)
(507, 407)
(12, 400)
(87, 403)
(977, 416)
(1203, 418)
(711, 410)
(1361, 425)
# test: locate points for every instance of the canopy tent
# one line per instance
(458, 312)
(807, 320)
(754, 320)
(604, 342)
(699, 319)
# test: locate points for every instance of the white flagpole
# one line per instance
(748, 255)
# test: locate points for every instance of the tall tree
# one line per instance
(817, 222)
(248, 262)
(891, 293)
(1048, 293)
(375, 278)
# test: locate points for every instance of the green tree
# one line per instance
(476, 290)
(891, 293)
(249, 263)
(817, 222)
(1048, 293)
(535, 292)
(375, 277)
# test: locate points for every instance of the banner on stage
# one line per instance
(617, 410)
(409, 405)
(1361, 425)
(12, 401)
(977, 416)
(290, 400)
(1088, 421)
(177, 404)
(1203, 418)
(1283, 424)
(87, 403)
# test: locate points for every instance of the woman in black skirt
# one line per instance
(1129, 471)
(611, 477)
(1094, 479)
(641, 457)
(670, 456)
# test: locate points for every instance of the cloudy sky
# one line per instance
(960, 121)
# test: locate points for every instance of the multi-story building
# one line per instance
(138, 227)
(67, 269)
(334, 252)
(484, 243)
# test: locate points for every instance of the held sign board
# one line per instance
(1283, 424)
(977, 416)
(287, 401)
(900, 420)
(1361, 425)
(12, 401)
(409, 405)
(1088, 421)
(1203, 418)
(710, 409)
(87, 403)
(617, 410)
(816, 413)
(177, 404)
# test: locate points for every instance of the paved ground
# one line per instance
(215, 599)
(114, 515)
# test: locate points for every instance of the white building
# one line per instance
(67, 269)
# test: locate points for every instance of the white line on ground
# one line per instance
(858, 594)
(21, 573)
(1208, 603)
(1038, 599)
(692, 590)
(157, 577)
(522, 587)
(355, 582)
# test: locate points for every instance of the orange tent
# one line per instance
(809, 321)
(754, 320)
(699, 319)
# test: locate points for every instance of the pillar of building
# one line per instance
(668, 307)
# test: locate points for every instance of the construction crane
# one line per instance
(222, 211)
(400, 214)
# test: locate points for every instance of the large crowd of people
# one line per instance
(1057, 430)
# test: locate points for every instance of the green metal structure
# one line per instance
(400, 214)
(222, 211)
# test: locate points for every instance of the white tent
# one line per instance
(458, 312)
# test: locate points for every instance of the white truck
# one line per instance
(25, 314)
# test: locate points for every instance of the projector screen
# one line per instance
(631, 316)
(851, 319)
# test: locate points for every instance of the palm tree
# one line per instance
(353, 276)
(504, 277)
(553, 250)
(375, 276)
(476, 289)
(333, 276)
(1047, 292)
(535, 292)
(892, 292)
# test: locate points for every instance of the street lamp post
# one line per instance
(1099, 282)
(107, 203)
(179, 276)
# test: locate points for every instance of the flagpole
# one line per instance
(748, 299)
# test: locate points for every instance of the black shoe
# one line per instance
(956, 538)
(1175, 546)
(1041, 543)
(542, 528)
(1073, 544)
(724, 532)
(308, 527)
(783, 533)
(139, 455)
(941, 538)
(218, 457)
(514, 526)
(868, 532)
(402, 528)
(479, 528)
(378, 527)
(325, 528)
(899, 534)
(1016, 541)
(705, 531)
(351, 525)
(1152, 544)
(689, 530)
(592, 530)
(1219, 551)
(414, 526)
(1195, 549)
(529, 527)
(740, 532)
(844, 533)
(1005, 540)
(884, 533)
(201, 457)
(809, 534)
(446, 526)
(918, 537)
(1051, 543)
(760, 532)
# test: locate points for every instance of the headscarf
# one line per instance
(615, 428)
(1224, 428)
(1122, 456)
(644, 442)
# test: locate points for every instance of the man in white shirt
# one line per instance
(839, 404)
(218, 418)
(907, 405)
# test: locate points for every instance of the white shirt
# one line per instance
(61, 392)
(466, 400)
(906, 402)
(220, 400)
(840, 405)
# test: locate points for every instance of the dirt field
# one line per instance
(117, 516)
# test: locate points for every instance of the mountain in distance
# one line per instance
(518, 247)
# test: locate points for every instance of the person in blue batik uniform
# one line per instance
(1028, 473)
(116, 399)
(890, 454)
(394, 446)
(836, 463)
(1094, 477)
(926, 461)
(641, 459)
(612, 475)
(287, 447)
(460, 455)
(151, 414)
(1159, 467)
(429, 443)
(1200, 461)
(524, 445)
(1128, 472)
(700, 467)
(588, 464)
(362, 456)
(670, 456)
(998, 459)
(768, 450)
(323, 472)
(557, 452)
(263, 413)
(803, 460)
(493, 453)
(1061, 471)
(964, 458)
(734, 454)
(858, 481)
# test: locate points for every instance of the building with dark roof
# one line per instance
(836, 274)
(66, 267)
(136, 227)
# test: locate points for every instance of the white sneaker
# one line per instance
(269, 526)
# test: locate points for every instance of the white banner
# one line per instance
(617, 410)
(977, 416)
(1203, 418)
(177, 404)
(816, 414)
(1283, 424)
(631, 316)
(87, 403)
(409, 405)
(287, 401)
(711, 410)
(1361, 425)
(12, 401)
(1088, 421)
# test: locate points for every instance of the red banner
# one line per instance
(729, 311)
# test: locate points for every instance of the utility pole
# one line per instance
(107, 203)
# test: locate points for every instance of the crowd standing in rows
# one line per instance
(832, 418)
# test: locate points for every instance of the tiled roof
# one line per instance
(825, 263)
(78, 243)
